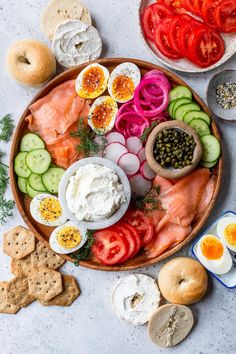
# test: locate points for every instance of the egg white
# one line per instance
(56, 247)
(128, 69)
(34, 210)
(221, 226)
(79, 80)
(219, 266)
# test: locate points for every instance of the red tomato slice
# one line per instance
(175, 27)
(109, 246)
(197, 4)
(124, 231)
(142, 224)
(208, 12)
(225, 16)
(189, 5)
(137, 238)
(162, 40)
(187, 30)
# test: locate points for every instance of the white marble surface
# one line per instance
(90, 326)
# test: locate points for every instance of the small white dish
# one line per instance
(95, 225)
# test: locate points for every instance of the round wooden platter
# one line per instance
(43, 232)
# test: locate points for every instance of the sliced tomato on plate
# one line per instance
(142, 224)
(162, 40)
(124, 231)
(137, 238)
(225, 16)
(187, 31)
(189, 5)
(197, 4)
(208, 12)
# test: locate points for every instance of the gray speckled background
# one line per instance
(90, 326)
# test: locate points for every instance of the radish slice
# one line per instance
(140, 185)
(114, 151)
(142, 155)
(115, 137)
(146, 171)
(129, 163)
(133, 144)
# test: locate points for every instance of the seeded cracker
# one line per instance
(45, 257)
(5, 306)
(22, 267)
(18, 292)
(18, 242)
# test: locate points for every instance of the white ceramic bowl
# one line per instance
(95, 225)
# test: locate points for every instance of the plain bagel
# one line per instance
(183, 281)
(30, 62)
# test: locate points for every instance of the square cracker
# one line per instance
(45, 283)
(5, 306)
(18, 292)
(18, 242)
(70, 292)
(43, 256)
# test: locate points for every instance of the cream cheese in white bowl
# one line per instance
(94, 192)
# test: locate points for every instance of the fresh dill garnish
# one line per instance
(6, 128)
(84, 252)
(6, 209)
(148, 130)
(148, 203)
(88, 144)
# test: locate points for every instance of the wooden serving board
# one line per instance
(43, 232)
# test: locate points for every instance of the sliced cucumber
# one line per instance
(31, 192)
(20, 166)
(170, 108)
(35, 182)
(201, 127)
(21, 182)
(179, 92)
(211, 148)
(196, 114)
(31, 142)
(183, 109)
(209, 164)
(38, 161)
(179, 102)
(51, 179)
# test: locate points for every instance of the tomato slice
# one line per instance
(197, 4)
(208, 12)
(137, 238)
(175, 26)
(142, 224)
(225, 16)
(162, 40)
(189, 5)
(186, 31)
(124, 231)
(109, 246)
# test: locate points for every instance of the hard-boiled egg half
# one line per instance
(46, 209)
(226, 230)
(123, 81)
(92, 81)
(67, 238)
(102, 114)
(213, 254)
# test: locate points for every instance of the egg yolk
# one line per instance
(212, 248)
(50, 209)
(123, 88)
(93, 81)
(103, 114)
(230, 234)
(69, 237)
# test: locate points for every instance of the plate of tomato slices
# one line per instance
(189, 35)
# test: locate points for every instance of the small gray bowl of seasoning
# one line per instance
(221, 94)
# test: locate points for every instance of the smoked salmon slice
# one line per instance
(206, 197)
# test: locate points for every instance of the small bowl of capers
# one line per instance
(173, 149)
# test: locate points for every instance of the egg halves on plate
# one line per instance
(226, 230)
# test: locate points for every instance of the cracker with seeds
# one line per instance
(43, 256)
(18, 242)
(5, 306)
(18, 292)
(45, 283)
(22, 267)
(70, 292)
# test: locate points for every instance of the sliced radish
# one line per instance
(114, 151)
(129, 163)
(146, 171)
(140, 185)
(115, 137)
(142, 155)
(133, 144)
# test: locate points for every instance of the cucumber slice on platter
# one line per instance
(30, 142)
(35, 182)
(209, 164)
(21, 182)
(179, 102)
(51, 179)
(30, 191)
(38, 161)
(179, 92)
(201, 127)
(183, 109)
(20, 166)
(189, 116)
(170, 108)
(211, 148)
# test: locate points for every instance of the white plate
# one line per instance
(184, 64)
(95, 225)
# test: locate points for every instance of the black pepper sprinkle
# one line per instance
(226, 95)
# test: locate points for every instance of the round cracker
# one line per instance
(58, 11)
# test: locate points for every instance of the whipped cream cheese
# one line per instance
(94, 193)
(75, 42)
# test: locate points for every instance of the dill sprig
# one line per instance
(6, 209)
(6, 128)
(88, 144)
(148, 203)
(147, 131)
(84, 252)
